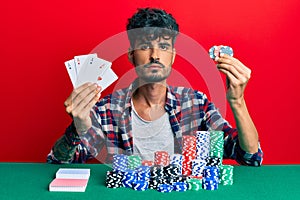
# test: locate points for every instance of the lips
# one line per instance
(154, 66)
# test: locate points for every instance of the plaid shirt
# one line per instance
(111, 133)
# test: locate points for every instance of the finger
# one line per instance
(230, 70)
(229, 61)
(235, 80)
(75, 92)
(231, 80)
(224, 58)
(81, 95)
(217, 50)
(84, 100)
(90, 105)
(84, 112)
(77, 98)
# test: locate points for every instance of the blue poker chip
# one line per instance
(140, 185)
(211, 52)
(224, 49)
(164, 188)
(180, 186)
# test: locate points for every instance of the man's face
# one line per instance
(153, 59)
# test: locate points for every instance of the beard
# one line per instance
(153, 75)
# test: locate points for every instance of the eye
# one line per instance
(164, 47)
(144, 46)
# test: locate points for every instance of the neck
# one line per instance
(151, 94)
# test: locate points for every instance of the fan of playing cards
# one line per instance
(90, 68)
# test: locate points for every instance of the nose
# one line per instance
(154, 54)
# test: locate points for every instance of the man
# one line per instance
(149, 115)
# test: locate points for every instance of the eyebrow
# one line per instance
(150, 43)
(164, 43)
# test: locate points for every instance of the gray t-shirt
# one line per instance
(151, 136)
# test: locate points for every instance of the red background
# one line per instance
(38, 36)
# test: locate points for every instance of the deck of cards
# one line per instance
(90, 68)
(70, 180)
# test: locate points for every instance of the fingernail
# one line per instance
(217, 58)
(222, 54)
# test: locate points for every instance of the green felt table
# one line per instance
(31, 181)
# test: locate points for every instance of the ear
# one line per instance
(173, 56)
(130, 55)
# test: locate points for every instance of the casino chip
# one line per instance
(120, 162)
(129, 177)
(180, 186)
(140, 185)
(114, 179)
(210, 184)
(134, 161)
(223, 49)
(226, 173)
(226, 50)
(195, 184)
(216, 144)
(161, 158)
(198, 167)
(164, 188)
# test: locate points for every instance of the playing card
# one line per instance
(92, 70)
(80, 61)
(70, 66)
(107, 79)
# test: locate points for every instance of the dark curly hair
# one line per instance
(151, 23)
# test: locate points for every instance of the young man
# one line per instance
(149, 115)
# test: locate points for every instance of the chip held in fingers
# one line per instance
(215, 51)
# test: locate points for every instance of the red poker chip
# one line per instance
(161, 158)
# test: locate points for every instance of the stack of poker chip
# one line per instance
(195, 184)
(209, 184)
(177, 159)
(213, 161)
(161, 158)
(147, 163)
(226, 174)
(202, 145)
(143, 173)
(134, 161)
(140, 185)
(198, 167)
(129, 177)
(211, 178)
(165, 188)
(189, 153)
(216, 144)
(120, 162)
(114, 179)
(180, 186)
(156, 176)
(172, 170)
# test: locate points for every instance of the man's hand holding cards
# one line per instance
(90, 68)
